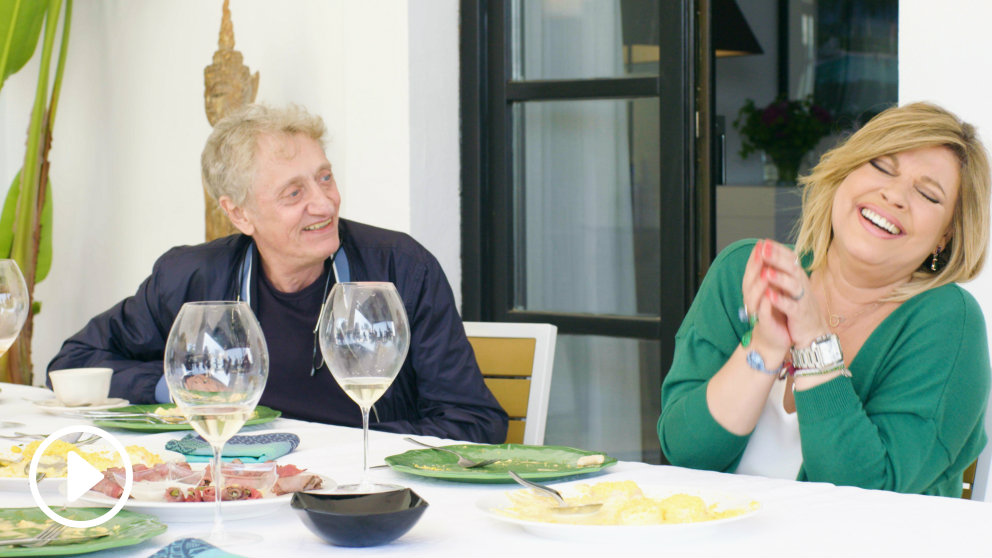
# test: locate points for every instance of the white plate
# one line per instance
(17, 484)
(48, 485)
(494, 501)
(53, 405)
(189, 512)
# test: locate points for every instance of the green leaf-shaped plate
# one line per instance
(262, 415)
(126, 528)
(531, 462)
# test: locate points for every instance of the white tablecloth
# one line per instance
(796, 519)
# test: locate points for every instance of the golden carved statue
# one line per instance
(228, 84)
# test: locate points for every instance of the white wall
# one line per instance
(435, 157)
(943, 58)
(131, 124)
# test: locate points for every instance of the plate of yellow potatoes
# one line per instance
(628, 509)
(15, 462)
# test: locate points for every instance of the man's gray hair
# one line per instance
(228, 160)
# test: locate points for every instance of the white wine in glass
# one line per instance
(14, 303)
(364, 336)
(216, 364)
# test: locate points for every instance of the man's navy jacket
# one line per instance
(438, 392)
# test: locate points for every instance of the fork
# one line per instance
(75, 438)
(463, 462)
(121, 416)
(50, 533)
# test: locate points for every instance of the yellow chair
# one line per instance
(516, 361)
(978, 477)
(968, 480)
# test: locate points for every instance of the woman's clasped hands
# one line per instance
(778, 293)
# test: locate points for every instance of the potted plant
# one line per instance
(26, 218)
(785, 130)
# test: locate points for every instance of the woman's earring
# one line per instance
(933, 262)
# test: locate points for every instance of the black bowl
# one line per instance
(359, 519)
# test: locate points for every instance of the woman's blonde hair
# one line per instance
(228, 160)
(895, 130)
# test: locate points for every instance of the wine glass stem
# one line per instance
(217, 532)
(365, 441)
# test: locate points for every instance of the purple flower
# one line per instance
(774, 112)
(820, 114)
(785, 129)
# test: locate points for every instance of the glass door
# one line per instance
(578, 205)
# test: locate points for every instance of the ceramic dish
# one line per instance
(262, 415)
(128, 529)
(53, 405)
(360, 519)
(530, 462)
(491, 503)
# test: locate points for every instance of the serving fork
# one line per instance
(563, 507)
(463, 462)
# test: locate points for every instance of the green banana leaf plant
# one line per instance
(26, 219)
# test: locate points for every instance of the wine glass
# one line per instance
(364, 337)
(216, 363)
(14, 303)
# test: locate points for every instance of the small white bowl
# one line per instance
(75, 387)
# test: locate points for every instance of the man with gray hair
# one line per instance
(267, 169)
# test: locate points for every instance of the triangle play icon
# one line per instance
(81, 476)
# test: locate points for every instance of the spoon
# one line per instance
(564, 507)
(462, 461)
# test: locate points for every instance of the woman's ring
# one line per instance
(801, 294)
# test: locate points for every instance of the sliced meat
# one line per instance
(297, 483)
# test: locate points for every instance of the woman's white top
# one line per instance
(774, 449)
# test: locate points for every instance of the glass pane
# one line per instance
(586, 207)
(842, 54)
(606, 396)
(577, 39)
(756, 211)
(845, 53)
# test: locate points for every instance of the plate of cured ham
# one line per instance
(181, 492)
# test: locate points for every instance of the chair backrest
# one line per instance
(516, 361)
(968, 480)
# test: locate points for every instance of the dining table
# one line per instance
(792, 519)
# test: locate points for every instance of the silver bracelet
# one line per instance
(842, 368)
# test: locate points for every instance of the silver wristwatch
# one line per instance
(823, 352)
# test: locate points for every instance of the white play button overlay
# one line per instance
(81, 477)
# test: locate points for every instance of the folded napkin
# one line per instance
(257, 448)
(192, 548)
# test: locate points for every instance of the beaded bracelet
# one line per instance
(751, 320)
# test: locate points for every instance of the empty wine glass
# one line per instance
(364, 337)
(216, 364)
(14, 303)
